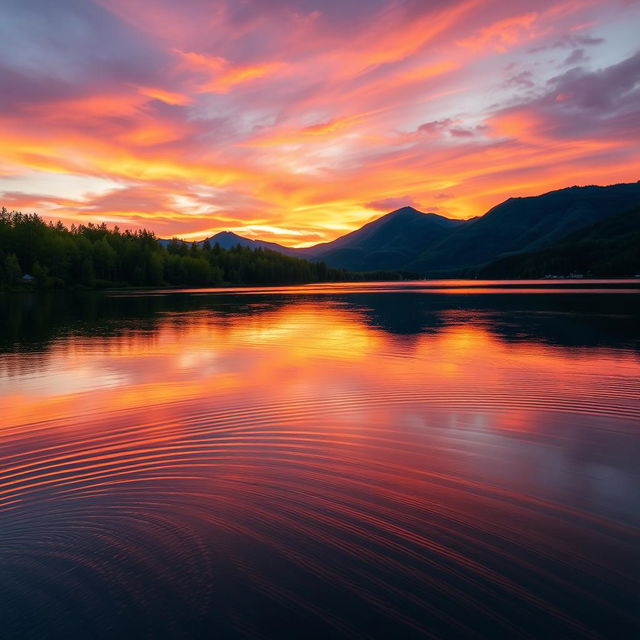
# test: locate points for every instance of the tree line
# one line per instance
(43, 254)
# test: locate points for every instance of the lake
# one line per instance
(391, 460)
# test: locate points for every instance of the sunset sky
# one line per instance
(298, 120)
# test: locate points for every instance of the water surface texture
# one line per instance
(366, 461)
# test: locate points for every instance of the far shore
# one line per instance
(631, 282)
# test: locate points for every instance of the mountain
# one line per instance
(228, 240)
(409, 240)
(389, 242)
(608, 248)
(525, 224)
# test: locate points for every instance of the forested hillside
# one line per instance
(525, 224)
(609, 248)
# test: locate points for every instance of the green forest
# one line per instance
(40, 254)
(609, 248)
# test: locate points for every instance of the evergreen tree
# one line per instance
(40, 275)
(12, 269)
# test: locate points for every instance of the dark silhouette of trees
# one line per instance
(96, 256)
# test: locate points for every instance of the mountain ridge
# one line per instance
(388, 242)
(607, 248)
(526, 223)
(229, 239)
(428, 243)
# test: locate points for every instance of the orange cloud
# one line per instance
(503, 34)
(222, 75)
(170, 97)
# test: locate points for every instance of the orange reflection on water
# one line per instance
(305, 348)
(410, 457)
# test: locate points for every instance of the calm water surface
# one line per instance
(368, 461)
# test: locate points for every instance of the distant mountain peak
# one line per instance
(387, 242)
(227, 234)
(406, 209)
(413, 213)
(229, 239)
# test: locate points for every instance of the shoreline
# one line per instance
(436, 284)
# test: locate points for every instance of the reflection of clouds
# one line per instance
(66, 378)
(305, 346)
(204, 361)
(302, 450)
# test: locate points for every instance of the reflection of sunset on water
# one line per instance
(318, 456)
(275, 353)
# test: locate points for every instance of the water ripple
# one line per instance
(354, 499)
